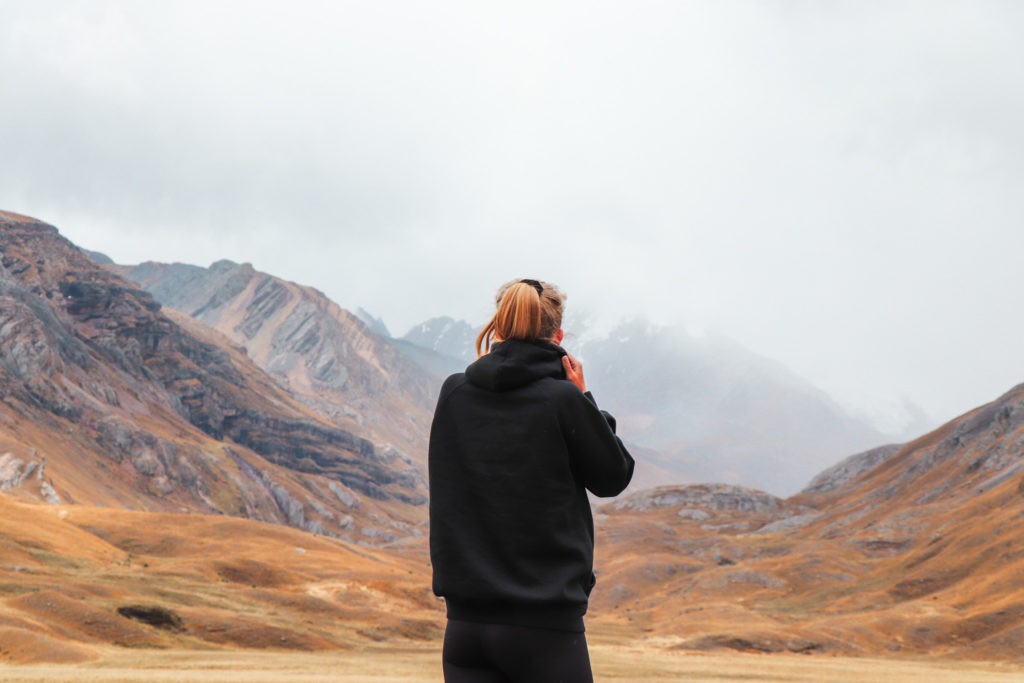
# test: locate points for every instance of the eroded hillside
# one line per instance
(107, 400)
(322, 354)
(905, 549)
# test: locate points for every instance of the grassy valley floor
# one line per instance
(421, 664)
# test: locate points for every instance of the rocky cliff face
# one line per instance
(130, 408)
(850, 468)
(322, 354)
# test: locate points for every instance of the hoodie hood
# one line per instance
(513, 363)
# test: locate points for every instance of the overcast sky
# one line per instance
(839, 186)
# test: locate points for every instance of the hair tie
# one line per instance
(536, 285)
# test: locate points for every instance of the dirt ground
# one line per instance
(422, 664)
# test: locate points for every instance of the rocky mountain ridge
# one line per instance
(127, 407)
(325, 356)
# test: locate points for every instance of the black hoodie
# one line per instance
(513, 449)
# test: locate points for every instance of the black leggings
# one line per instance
(495, 653)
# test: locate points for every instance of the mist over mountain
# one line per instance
(446, 336)
(706, 407)
(718, 412)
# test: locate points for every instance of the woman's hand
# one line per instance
(574, 371)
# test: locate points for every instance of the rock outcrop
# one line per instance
(714, 497)
(849, 468)
(325, 356)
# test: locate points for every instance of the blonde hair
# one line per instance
(523, 313)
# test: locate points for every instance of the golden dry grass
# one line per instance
(259, 602)
(421, 664)
(65, 572)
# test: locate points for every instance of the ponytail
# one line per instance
(528, 310)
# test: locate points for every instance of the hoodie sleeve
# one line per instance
(597, 454)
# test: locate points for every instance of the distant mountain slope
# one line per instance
(375, 325)
(719, 412)
(325, 355)
(446, 336)
(709, 409)
(107, 400)
(912, 549)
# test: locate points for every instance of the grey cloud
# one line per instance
(837, 185)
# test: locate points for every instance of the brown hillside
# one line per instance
(76, 578)
(106, 400)
(919, 554)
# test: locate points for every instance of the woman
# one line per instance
(515, 444)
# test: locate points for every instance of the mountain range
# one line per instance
(214, 457)
(701, 409)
